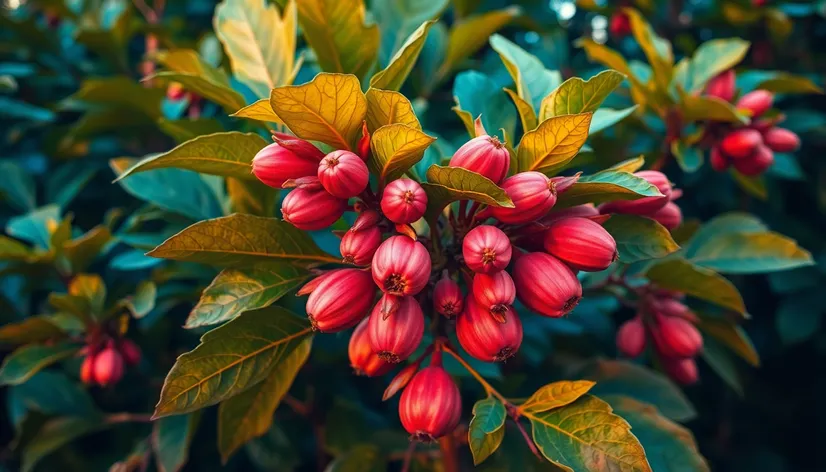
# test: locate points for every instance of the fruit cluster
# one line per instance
(749, 149)
(660, 208)
(106, 360)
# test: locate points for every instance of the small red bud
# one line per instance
(276, 164)
(340, 300)
(396, 337)
(484, 155)
(672, 307)
(447, 297)
(645, 205)
(312, 210)
(486, 249)
(669, 216)
(545, 284)
(403, 201)
(87, 369)
(343, 174)
(362, 358)
(741, 143)
(631, 337)
(400, 381)
(130, 351)
(430, 406)
(719, 161)
(108, 366)
(308, 288)
(581, 243)
(175, 91)
(358, 247)
(684, 371)
(757, 163)
(363, 146)
(401, 266)
(676, 337)
(533, 196)
(561, 184)
(301, 148)
(486, 338)
(781, 140)
(494, 293)
(366, 219)
(722, 85)
(620, 25)
(756, 102)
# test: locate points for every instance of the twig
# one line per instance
(514, 414)
(297, 405)
(116, 418)
(408, 456)
(450, 458)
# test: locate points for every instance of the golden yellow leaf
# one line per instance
(580, 96)
(396, 148)
(526, 113)
(261, 110)
(553, 143)
(385, 107)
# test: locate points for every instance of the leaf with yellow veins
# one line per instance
(385, 107)
(394, 75)
(555, 395)
(396, 148)
(261, 110)
(579, 96)
(553, 143)
(525, 110)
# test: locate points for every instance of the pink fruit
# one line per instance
(684, 371)
(108, 366)
(486, 249)
(430, 406)
(311, 210)
(484, 155)
(581, 243)
(366, 219)
(494, 293)
(343, 174)
(130, 351)
(447, 297)
(669, 216)
(362, 358)
(358, 247)
(485, 338)
(676, 337)
(620, 25)
(719, 161)
(631, 337)
(645, 205)
(340, 301)
(276, 164)
(401, 266)
(403, 201)
(546, 285)
(533, 196)
(756, 102)
(757, 163)
(781, 140)
(722, 86)
(394, 338)
(741, 143)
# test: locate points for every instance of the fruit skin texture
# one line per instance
(340, 301)
(362, 358)
(430, 406)
(401, 266)
(394, 338)
(757, 163)
(631, 337)
(757, 102)
(741, 143)
(310, 286)
(447, 297)
(533, 196)
(403, 201)
(494, 293)
(343, 174)
(676, 338)
(669, 216)
(130, 351)
(275, 164)
(486, 249)
(312, 209)
(484, 155)
(781, 140)
(366, 219)
(684, 371)
(546, 285)
(579, 211)
(358, 247)
(645, 205)
(108, 366)
(485, 338)
(722, 86)
(581, 243)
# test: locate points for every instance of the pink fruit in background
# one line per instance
(130, 351)
(394, 338)
(341, 300)
(108, 366)
(620, 25)
(312, 210)
(366, 219)
(533, 196)
(485, 338)
(581, 243)
(722, 85)
(484, 155)
(645, 205)
(781, 140)
(403, 201)
(362, 358)
(87, 370)
(546, 285)
(719, 161)
(757, 163)
(741, 143)
(430, 406)
(676, 337)
(756, 102)
(343, 174)
(401, 266)
(669, 216)
(486, 249)
(631, 337)
(684, 371)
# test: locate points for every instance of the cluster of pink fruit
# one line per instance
(660, 208)
(749, 149)
(670, 326)
(106, 360)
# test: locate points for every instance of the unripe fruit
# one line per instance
(669, 216)
(486, 249)
(756, 102)
(130, 351)
(631, 337)
(684, 371)
(485, 338)
(676, 337)
(494, 293)
(362, 358)
(394, 338)
(358, 247)
(87, 370)
(741, 143)
(781, 140)
(430, 406)
(276, 164)
(620, 25)
(533, 196)
(340, 300)
(581, 243)
(312, 210)
(719, 161)
(403, 201)
(546, 285)
(401, 266)
(366, 219)
(757, 163)
(343, 174)
(484, 155)
(108, 366)
(645, 205)
(722, 86)
(447, 297)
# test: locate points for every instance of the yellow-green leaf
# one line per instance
(533, 81)
(187, 61)
(699, 108)
(526, 114)
(751, 253)
(656, 49)
(395, 149)
(171, 440)
(21, 364)
(555, 395)
(732, 336)
(261, 110)
(449, 184)
(469, 34)
(485, 431)
(605, 117)
(639, 238)
(629, 165)
(710, 59)
(223, 95)
(184, 129)
(579, 96)
(606, 186)
(31, 330)
(781, 82)
(553, 143)
(82, 251)
(91, 288)
(705, 284)
(753, 185)
(330, 109)
(393, 76)
(386, 107)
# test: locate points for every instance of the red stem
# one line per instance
(450, 457)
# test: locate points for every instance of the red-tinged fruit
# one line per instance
(757, 163)
(130, 351)
(87, 370)
(362, 358)
(494, 293)
(343, 174)
(533, 196)
(276, 164)
(108, 366)
(394, 338)
(781, 140)
(756, 102)
(363, 146)
(546, 285)
(581, 243)
(676, 337)
(430, 406)
(312, 210)
(722, 86)
(684, 371)
(366, 219)
(310, 286)
(631, 337)
(175, 91)
(719, 161)
(358, 247)
(400, 381)
(486, 249)
(485, 155)
(669, 216)
(741, 143)
(447, 297)
(488, 339)
(403, 201)
(672, 307)
(299, 147)
(587, 210)
(620, 25)
(340, 301)
(401, 266)
(645, 205)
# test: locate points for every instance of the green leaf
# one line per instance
(799, 317)
(607, 117)
(339, 35)
(393, 76)
(17, 186)
(83, 250)
(721, 361)
(527, 116)
(753, 185)
(468, 35)
(31, 330)
(478, 94)
(702, 108)
(732, 336)
(688, 157)
(751, 253)
(782, 82)
(259, 41)
(231, 359)
(360, 458)
(249, 415)
(486, 430)
(252, 197)
(587, 436)
(705, 284)
(23, 363)
(91, 288)
(555, 395)
(313, 111)
(55, 434)
(553, 144)
(143, 301)
(120, 92)
(226, 154)
(656, 49)
(171, 438)
(449, 184)
(52, 392)
(399, 20)
(639, 238)
(12, 250)
(710, 59)
(241, 240)
(385, 107)
(223, 95)
(533, 81)
(395, 149)
(579, 96)
(606, 186)
(721, 225)
(235, 291)
(261, 110)
(36, 226)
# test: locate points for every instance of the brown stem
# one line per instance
(297, 405)
(514, 414)
(116, 418)
(450, 456)
(408, 456)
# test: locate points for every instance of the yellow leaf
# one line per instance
(393, 76)
(329, 109)
(396, 148)
(385, 107)
(261, 110)
(470, 34)
(555, 395)
(656, 49)
(710, 108)
(466, 117)
(337, 32)
(579, 96)
(554, 143)
(526, 113)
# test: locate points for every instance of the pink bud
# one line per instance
(363, 146)
(561, 184)
(494, 293)
(130, 351)
(366, 219)
(108, 366)
(722, 86)
(546, 285)
(676, 337)
(645, 205)
(447, 297)
(430, 406)
(719, 161)
(403, 201)
(308, 288)
(581, 243)
(757, 163)
(485, 338)
(781, 140)
(756, 102)
(533, 196)
(486, 249)
(684, 371)
(358, 247)
(340, 300)
(401, 266)
(299, 147)
(400, 381)
(362, 358)
(484, 155)
(394, 338)
(87, 369)
(276, 164)
(669, 216)
(343, 174)
(312, 210)
(620, 25)
(631, 337)
(741, 143)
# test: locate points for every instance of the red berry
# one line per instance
(756, 102)
(363, 146)
(301, 148)
(620, 25)
(546, 285)
(447, 297)
(311, 209)
(401, 266)
(484, 155)
(87, 370)
(340, 300)
(108, 366)
(719, 161)
(722, 86)
(741, 143)
(343, 174)
(672, 307)
(533, 196)
(581, 243)
(395, 337)
(757, 163)
(362, 358)
(645, 205)
(430, 405)
(486, 249)
(486, 338)
(276, 164)
(358, 247)
(494, 293)
(631, 337)
(781, 140)
(684, 371)
(403, 201)
(130, 351)
(676, 337)
(669, 216)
